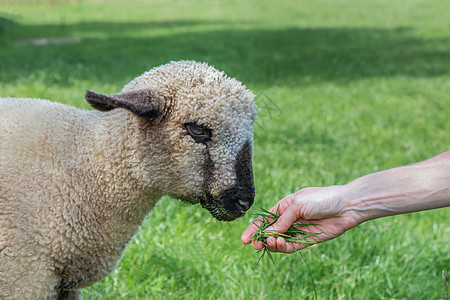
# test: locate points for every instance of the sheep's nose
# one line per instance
(245, 204)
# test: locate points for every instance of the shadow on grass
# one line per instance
(261, 57)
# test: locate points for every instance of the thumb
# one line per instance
(287, 218)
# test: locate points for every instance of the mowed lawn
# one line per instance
(344, 88)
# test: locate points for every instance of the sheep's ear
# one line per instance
(142, 103)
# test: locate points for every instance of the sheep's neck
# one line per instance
(118, 171)
(115, 202)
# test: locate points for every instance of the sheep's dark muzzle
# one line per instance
(232, 203)
(236, 201)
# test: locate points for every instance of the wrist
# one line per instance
(354, 204)
(368, 200)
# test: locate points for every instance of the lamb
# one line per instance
(75, 185)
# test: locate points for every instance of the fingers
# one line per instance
(258, 245)
(247, 236)
(287, 218)
(280, 245)
(273, 244)
(249, 232)
(287, 208)
(279, 208)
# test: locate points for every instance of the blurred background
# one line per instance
(344, 88)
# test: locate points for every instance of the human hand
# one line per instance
(324, 207)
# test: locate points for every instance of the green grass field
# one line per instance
(345, 88)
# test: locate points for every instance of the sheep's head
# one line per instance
(197, 134)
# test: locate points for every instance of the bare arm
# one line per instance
(422, 186)
(336, 209)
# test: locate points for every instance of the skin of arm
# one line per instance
(336, 209)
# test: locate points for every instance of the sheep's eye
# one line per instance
(199, 133)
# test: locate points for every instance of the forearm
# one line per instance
(421, 186)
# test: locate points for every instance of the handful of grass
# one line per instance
(294, 234)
